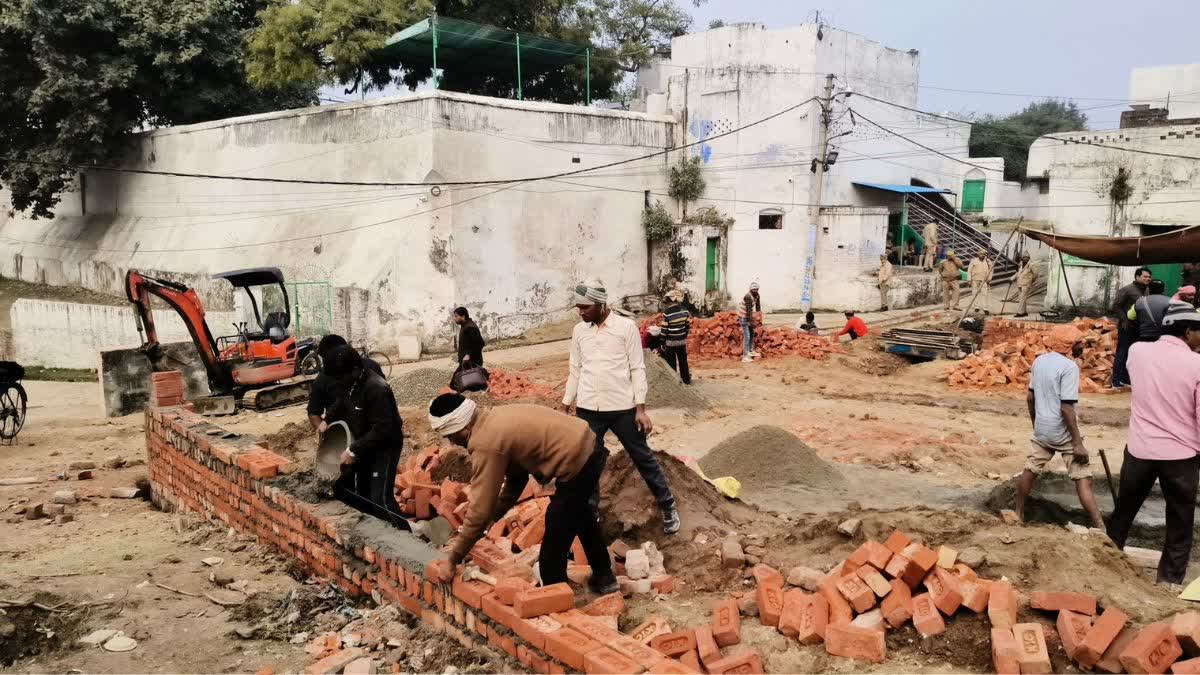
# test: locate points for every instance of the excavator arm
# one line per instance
(139, 288)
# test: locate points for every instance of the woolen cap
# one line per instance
(1180, 311)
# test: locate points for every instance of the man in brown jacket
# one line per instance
(508, 445)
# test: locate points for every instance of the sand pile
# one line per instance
(1008, 363)
(765, 457)
(296, 441)
(667, 391)
(418, 388)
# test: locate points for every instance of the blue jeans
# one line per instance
(747, 336)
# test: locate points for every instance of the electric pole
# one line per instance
(814, 194)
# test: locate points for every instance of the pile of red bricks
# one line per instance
(166, 389)
(504, 385)
(1008, 362)
(720, 337)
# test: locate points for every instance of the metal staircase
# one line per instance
(958, 234)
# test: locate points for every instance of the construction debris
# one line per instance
(720, 337)
(505, 385)
(1008, 363)
(929, 344)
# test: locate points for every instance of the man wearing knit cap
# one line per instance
(1164, 437)
(606, 382)
(1053, 394)
(747, 312)
(507, 445)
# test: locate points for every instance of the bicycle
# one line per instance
(311, 364)
(12, 401)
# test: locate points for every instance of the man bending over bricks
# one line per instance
(509, 444)
(1053, 394)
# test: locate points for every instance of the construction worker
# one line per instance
(368, 479)
(886, 275)
(747, 312)
(1052, 396)
(855, 327)
(929, 252)
(979, 273)
(1026, 278)
(606, 382)
(507, 445)
(1126, 330)
(325, 391)
(677, 323)
(1185, 294)
(949, 270)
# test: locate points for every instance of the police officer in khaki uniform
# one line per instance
(1026, 278)
(979, 273)
(929, 253)
(949, 270)
(886, 274)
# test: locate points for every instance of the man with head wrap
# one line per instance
(606, 382)
(507, 445)
(1053, 393)
(1185, 294)
(368, 480)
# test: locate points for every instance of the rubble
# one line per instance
(720, 337)
(1008, 363)
(504, 385)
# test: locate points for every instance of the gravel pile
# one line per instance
(766, 457)
(418, 388)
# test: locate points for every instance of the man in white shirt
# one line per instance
(607, 385)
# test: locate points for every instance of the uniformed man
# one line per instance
(1026, 278)
(929, 253)
(949, 270)
(979, 273)
(886, 275)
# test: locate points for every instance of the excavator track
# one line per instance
(287, 392)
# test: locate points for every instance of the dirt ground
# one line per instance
(930, 455)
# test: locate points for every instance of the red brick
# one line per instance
(653, 625)
(805, 617)
(663, 583)
(606, 605)
(874, 580)
(1111, 661)
(593, 627)
(1072, 630)
(727, 622)
(334, 663)
(470, 592)
(943, 587)
(742, 662)
(674, 644)
(921, 556)
(1190, 666)
(897, 542)
(897, 605)
(485, 554)
(1031, 648)
(1152, 651)
(963, 572)
(635, 650)
(1100, 636)
(538, 601)
(770, 604)
(667, 666)
(857, 593)
(1002, 605)
(878, 555)
(1186, 626)
(856, 560)
(508, 587)
(840, 611)
(765, 574)
(692, 662)
(706, 646)
(925, 616)
(569, 646)
(896, 566)
(975, 594)
(860, 644)
(1005, 653)
(535, 630)
(1081, 603)
(605, 660)
(498, 611)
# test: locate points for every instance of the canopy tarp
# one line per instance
(1177, 246)
(902, 189)
(462, 43)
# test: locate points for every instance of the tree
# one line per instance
(339, 42)
(1010, 136)
(716, 23)
(80, 76)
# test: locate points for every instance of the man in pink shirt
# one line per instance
(1164, 436)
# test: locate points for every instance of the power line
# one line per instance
(870, 121)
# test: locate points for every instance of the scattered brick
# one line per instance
(1031, 648)
(1152, 651)
(706, 646)
(334, 663)
(857, 593)
(605, 660)
(872, 620)
(1102, 634)
(1186, 626)
(925, 616)
(663, 583)
(538, 601)
(897, 566)
(874, 580)
(1005, 653)
(1111, 661)
(692, 662)
(770, 604)
(606, 605)
(363, 666)
(508, 587)
(1002, 605)
(792, 612)
(878, 555)
(674, 644)
(742, 662)
(975, 594)
(943, 587)
(726, 623)
(667, 666)
(840, 611)
(652, 626)
(1081, 603)
(637, 651)
(1072, 630)
(855, 643)
(897, 605)
(569, 646)
(732, 556)
(1188, 666)
(765, 574)
(814, 620)
(897, 542)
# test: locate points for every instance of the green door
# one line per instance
(1171, 275)
(712, 270)
(972, 196)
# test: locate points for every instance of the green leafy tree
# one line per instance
(339, 42)
(1010, 136)
(80, 76)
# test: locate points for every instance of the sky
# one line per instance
(1061, 48)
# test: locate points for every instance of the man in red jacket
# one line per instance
(855, 327)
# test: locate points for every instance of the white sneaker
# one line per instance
(747, 359)
(756, 355)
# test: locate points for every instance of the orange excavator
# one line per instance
(259, 366)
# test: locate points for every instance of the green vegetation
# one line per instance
(1010, 136)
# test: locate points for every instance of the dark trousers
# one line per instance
(570, 515)
(674, 355)
(1177, 479)
(623, 425)
(369, 485)
(1125, 338)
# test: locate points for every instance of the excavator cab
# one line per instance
(265, 351)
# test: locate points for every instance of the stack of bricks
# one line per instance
(720, 337)
(233, 481)
(166, 389)
(1009, 354)
(996, 331)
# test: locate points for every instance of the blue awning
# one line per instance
(902, 189)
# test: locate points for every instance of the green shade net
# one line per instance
(474, 45)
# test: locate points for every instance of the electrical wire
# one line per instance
(938, 152)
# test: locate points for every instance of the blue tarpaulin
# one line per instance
(902, 188)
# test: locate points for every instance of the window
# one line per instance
(770, 219)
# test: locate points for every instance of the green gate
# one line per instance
(712, 267)
(312, 308)
(1171, 275)
(972, 195)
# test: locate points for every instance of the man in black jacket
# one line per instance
(1126, 329)
(368, 481)
(470, 340)
(325, 392)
